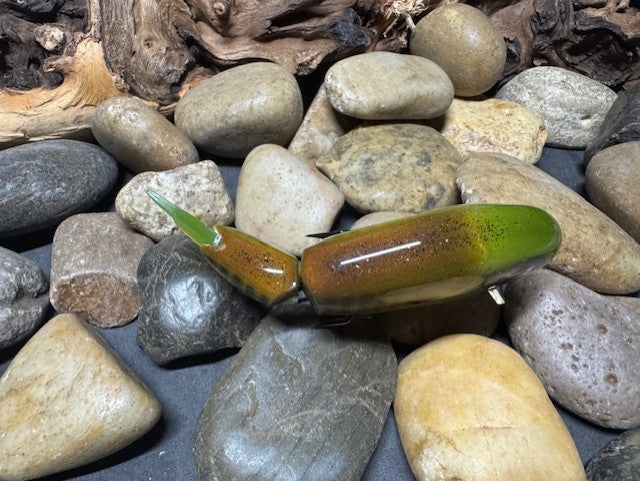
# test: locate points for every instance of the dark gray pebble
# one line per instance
(187, 307)
(296, 404)
(23, 297)
(617, 461)
(45, 182)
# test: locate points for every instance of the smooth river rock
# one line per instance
(462, 40)
(280, 199)
(66, 400)
(469, 408)
(198, 188)
(240, 108)
(573, 105)
(388, 86)
(584, 346)
(296, 404)
(594, 251)
(622, 123)
(617, 461)
(139, 137)
(45, 182)
(613, 183)
(631, 303)
(186, 307)
(378, 217)
(23, 297)
(402, 167)
(493, 125)
(93, 268)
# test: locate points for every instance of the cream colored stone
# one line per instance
(594, 251)
(494, 126)
(378, 217)
(280, 199)
(320, 129)
(388, 86)
(198, 188)
(67, 400)
(469, 408)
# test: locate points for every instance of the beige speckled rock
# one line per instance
(613, 182)
(388, 86)
(494, 126)
(67, 400)
(93, 268)
(378, 217)
(401, 167)
(594, 251)
(464, 42)
(469, 408)
(236, 110)
(198, 188)
(320, 129)
(280, 199)
(139, 137)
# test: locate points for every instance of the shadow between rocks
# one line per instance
(135, 449)
(200, 359)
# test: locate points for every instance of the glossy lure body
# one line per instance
(425, 258)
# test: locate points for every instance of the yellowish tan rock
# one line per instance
(469, 408)
(67, 400)
(594, 251)
(494, 126)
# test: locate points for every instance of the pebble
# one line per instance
(186, 307)
(139, 137)
(280, 199)
(320, 129)
(573, 105)
(631, 303)
(595, 251)
(584, 346)
(613, 179)
(463, 41)
(197, 188)
(401, 167)
(469, 408)
(67, 400)
(617, 461)
(622, 123)
(236, 110)
(23, 297)
(388, 86)
(297, 403)
(474, 314)
(45, 182)
(93, 268)
(493, 125)
(378, 217)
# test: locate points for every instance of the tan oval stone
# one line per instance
(280, 199)
(469, 408)
(594, 251)
(236, 110)
(67, 400)
(198, 188)
(378, 217)
(388, 86)
(493, 126)
(464, 42)
(613, 182)
(140, 138)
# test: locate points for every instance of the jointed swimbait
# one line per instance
(429, 257)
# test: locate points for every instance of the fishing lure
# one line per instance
(430, 257)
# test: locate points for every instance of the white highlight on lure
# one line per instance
(371, 255)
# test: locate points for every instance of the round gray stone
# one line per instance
(585, 347)
(236, 110)
(139, 137)
(23, 297)
(617, 461)
(45, 182)
(296, 404)
(400, 167)
(573, 105)
(188, 308)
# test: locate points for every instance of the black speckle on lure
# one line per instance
(435, 256)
